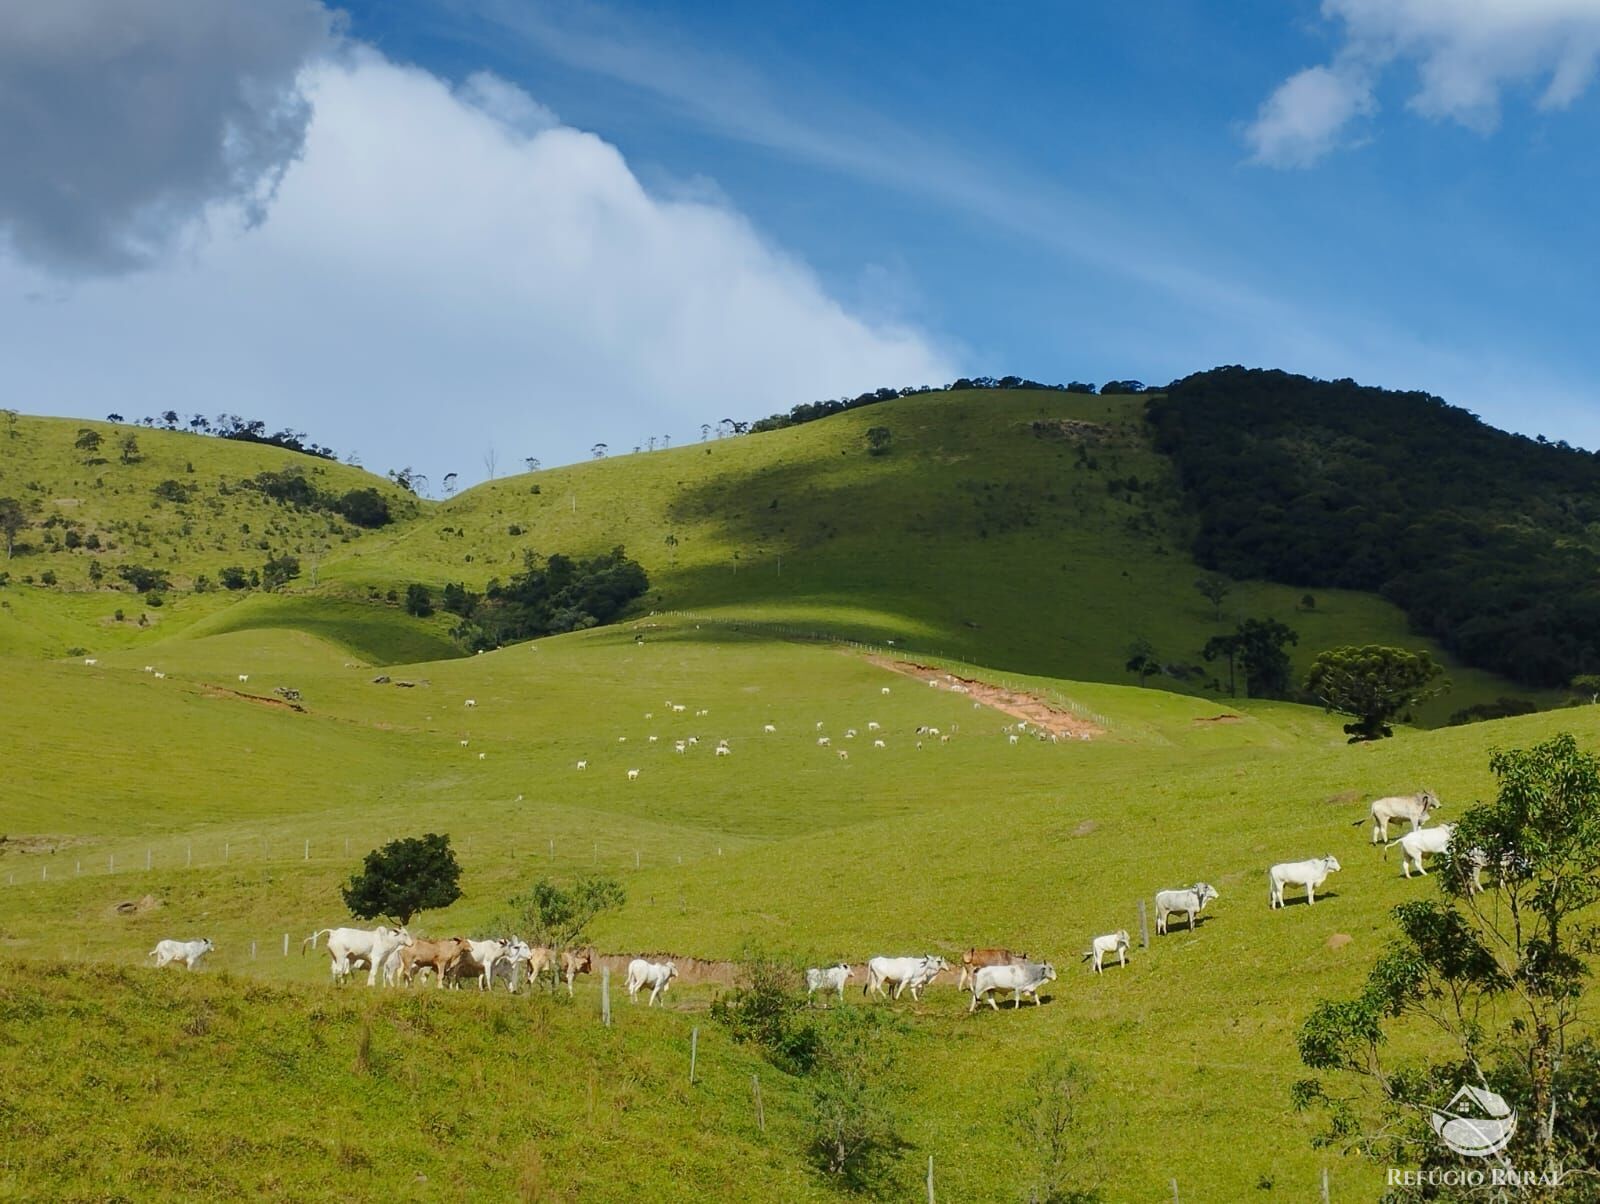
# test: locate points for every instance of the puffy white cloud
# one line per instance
(1466, 53)
(121, 120)
(1307, 116)
(446, 268)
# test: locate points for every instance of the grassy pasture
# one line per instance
(899, 850)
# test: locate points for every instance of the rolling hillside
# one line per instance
(1032, 532)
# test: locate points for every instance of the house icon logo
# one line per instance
(1475, 1123)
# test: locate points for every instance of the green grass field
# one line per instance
(979, 546)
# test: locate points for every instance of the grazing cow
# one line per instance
(679, 747)
(633, 775)
(975, 959)
(575, 962)
(243, 677)
(437, 956)
(1191, 902)
(652, 739)
(477, 960)
(693, 740)
(678, 710)
(622, 739)
(843, 755)
(583, 764)
(482, 756)
(1309, 874)
(89, 660)
(770, 728)
(724, 751)
(850, 733)
(823, 742)
(371, 947)
(879, 744)
(1023, 978)
(1413, 807)
(903, 972)
(872, 727)
(464, 744)
(1413, 846)
(655, 975)
(1112, 942)
(168, 953)
(160, 676)
(472, 702)
(884, 690)
(1012, 738)
(832, 978)
(149, 668)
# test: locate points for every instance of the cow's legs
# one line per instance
(1311, 894)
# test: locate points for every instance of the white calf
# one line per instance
(1191, 902)
(654, 975)
(879, 744)
(1112, 942)
(823, 742)
(770, 728)
(169, 953)
(472, 702)
(244, 677)
(1412, 807)
(633, 775)
(1309, 874)
(832, 978)
(723, 750)
(583, 764)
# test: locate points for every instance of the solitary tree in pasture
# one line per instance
(88, 441)
(532, 462)
(705, 431)
(169, 419)
(1214, 588)
(1374, 684)
(129, 447)
(672, 548)
(878, 440)
(1142, 659)
(598, 451)
(560, 916)
(1499, 975)
(448, 484)
(10, 417)
(13, 521)
(1224, 647)
(406, 876)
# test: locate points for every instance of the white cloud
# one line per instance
(444, 269)
(1308, 114)
(1466, 53)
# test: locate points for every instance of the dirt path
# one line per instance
(1017, 703)
(210, 691)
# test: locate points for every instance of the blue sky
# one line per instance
(772, 206)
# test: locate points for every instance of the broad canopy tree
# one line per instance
(406, 876)
(1374, 684)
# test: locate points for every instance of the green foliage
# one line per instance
(1501, 973)
(560, 594)
(1214, 588)
(1326, 483)
(279, 571)
(128, 446)
(144, 580)
(1142, 659)
(365, 508)
(560, 916)
(1500, 708)
(878, 440)
(174, 491)
(1259, 647)
(48, 577)
(1052, 1134)
(768, 1008)
(88, 440)
(13, 521)
(234, 577)
(419, 600)
(1587, 684)
(855, 1134)
(404, 877)
(1376, 685)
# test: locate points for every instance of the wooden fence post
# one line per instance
(225, 847)
(147, 857)
(605, 995)
(761, 1116)
(286, 944)
(1175, 1199)
(930, 1179)
(188, 855)
(1325, 1197)
(694, 1052)
(307, 857)
(1144, 926)
(252, 951)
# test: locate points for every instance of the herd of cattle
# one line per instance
(401, 959)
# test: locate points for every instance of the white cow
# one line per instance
(770, 728)
(370, 947)
(1024, 978)
(831, 978)
(884, 690)
(169, 953)
(91, 661)
(244, 677)
(724, 751)
(1309, 874)
(478, 959)
(1414, 845)
(1413, 807)
(471, 702)
(1012, 738)
(655, 975)
(633, 775)
(823, 742)
(159, 675)
(1112, 942)
(902, 972)
(872, 727)
(1191, 902)
(679, 747)
(583, 764)
(879, 744)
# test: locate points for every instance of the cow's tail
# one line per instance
(1387, 846)
(312, 939)
(1360, 821)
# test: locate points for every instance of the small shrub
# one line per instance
(419, 601)
(153, 600)
(48, 577)
(119, 616)
(234, 577)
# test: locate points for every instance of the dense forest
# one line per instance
(1489, 541)
(548, 597)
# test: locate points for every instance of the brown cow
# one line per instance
(575, 962)
(433, 955)
(540, 959)
(974, 960)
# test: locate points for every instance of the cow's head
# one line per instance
(672, 971)
(1430, 800)
(206, 941)
(1331, 862)
(1205, 892)
(1047, 973)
